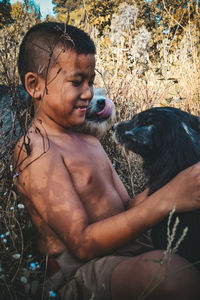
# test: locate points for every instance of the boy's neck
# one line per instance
(49, 126)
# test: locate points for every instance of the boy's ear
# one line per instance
(33, 85)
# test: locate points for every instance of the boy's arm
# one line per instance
(48, 184)
(138, 198)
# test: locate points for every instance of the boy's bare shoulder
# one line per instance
(37, 152)
(30, 146)
(33, 155)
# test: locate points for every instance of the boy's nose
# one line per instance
(87, 93)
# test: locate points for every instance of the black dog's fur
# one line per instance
(168, 140)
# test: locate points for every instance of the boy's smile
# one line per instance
(69, 90)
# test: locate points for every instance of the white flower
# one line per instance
(20, 205)
(23, 279)
(16, 256)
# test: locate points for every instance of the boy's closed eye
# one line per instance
(79, 82)
(76, 82)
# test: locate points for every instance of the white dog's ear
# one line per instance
(142, 135)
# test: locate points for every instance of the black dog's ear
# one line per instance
(193, 134)
(142, 135)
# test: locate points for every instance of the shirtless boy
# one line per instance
(82, 211)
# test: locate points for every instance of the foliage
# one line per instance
(167, 17)
(157, 15)
(97, 12)
(5, 12)
(64, 8)
(179, 12)
(100, 13)
(17, 277)
(10, 38)
(148, 54)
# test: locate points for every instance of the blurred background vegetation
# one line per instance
(148, 54)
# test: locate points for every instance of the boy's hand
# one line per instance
(184, 190)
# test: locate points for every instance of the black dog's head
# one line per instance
(100, 115)
(167, 138)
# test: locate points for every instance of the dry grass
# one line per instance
(174, 81)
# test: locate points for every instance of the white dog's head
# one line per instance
(100, 115)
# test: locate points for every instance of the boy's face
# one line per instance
(69, 89)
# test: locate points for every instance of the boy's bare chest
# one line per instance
(92, 177)
(88, 166)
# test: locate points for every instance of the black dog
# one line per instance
(168, 140)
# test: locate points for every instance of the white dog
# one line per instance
(100, 115)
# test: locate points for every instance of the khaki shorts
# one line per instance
(88, 281)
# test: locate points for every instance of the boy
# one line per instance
(74, 196)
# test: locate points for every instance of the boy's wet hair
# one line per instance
(37, 51)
